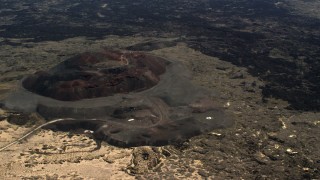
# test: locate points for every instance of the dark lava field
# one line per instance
(269, 55)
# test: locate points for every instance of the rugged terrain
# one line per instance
(261, 56)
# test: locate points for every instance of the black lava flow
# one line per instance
(242, 32)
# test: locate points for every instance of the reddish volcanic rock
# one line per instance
(100, 74)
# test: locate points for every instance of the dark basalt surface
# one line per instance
(242, 32)
(126, 98)
(278, 45)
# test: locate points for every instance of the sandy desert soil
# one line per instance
(268, 140)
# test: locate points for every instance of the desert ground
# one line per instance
(252, 69)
